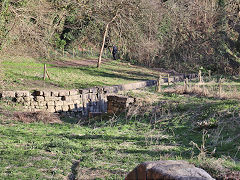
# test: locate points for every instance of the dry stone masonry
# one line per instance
(81, 101)
(75, 102)
(117, 103)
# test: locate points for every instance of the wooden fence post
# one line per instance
(209, 74)
(220, 87)
(91, 51)
(44, 72)
(200, 76)
(186, 84)
(158, 88)
(73, 53)
(55, 54)
(168, 79)
(63, 52)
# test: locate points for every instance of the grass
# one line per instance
(27, 73)
(201, 130)
(110, 147)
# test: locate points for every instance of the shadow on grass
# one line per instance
(134, 73)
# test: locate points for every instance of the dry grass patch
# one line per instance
(91, 173)
(207, 90)
(31, 117)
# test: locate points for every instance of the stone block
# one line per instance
(100, 90)
(43, 107)
(42, 103)
(51, 109)
(20, 100)
(58, 108)
(58, 103)
(66, 103)
(8, 94)
(71, 107)
(73, 92)
(27, 99)
(111, 89)
(34, 103)
(47, 93)
(39, 98)
(83, 91)
(31, 98)
(65, 108)
(22, 93)
(36, 110)
(27, 103)
(93, 90)
(66, 98)
(76, 97)
(80, 105)
(50, 103)
(54, 93)
(50, 106)
(52, 98)
(76, 102)
(63, 93)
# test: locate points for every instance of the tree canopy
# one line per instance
(183, 35)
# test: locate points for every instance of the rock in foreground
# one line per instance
(167, 170)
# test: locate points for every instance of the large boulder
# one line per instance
(167, 170)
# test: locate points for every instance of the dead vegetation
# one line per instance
(31, 117)
(213, 90)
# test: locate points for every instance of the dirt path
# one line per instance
(78, 63)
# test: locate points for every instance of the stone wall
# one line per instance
(117, 103)
(74, 102)
(79, 101)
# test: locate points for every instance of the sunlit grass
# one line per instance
(112, 146)
(27, 73)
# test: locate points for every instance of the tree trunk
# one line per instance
(104, 38)
(103, 43)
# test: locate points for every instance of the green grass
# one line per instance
(165, 127)
(113, 146)
(27, 73)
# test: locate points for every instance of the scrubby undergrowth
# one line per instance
(109, 147)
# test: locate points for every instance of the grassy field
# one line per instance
(204, 131)
(27, 73)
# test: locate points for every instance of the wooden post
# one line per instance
(186, 83)
(158, 88)
(44, 72)
(209, 74)
(63, 52)
(48, 75)
(55, 54)
(200, 76)
(168, 79)
(91, 51)
(220, 87)
(73, 53)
